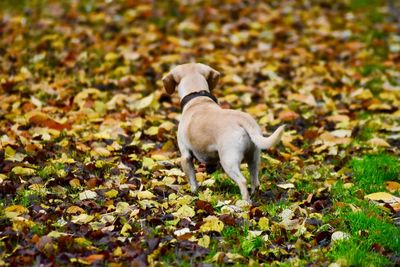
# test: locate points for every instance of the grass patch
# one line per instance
(225, 184)
(369, 69)
(371, 171)
(241, 241)
(52, 170)
(27, 198)
(274, 208)
(353, 252)
(368, 225)
(367, 232)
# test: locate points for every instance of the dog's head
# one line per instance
(174, 77)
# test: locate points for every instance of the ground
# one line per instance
(89, 164)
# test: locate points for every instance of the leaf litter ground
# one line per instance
(89, 168)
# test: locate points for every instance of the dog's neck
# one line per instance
(193, 95)
(192, 83)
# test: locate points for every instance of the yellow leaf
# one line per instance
(111, 194)
(111, 56)
(75, 210)
(83, 242)
(142, 103)
(117, 252)
(184, 212)
(101, 151)
(82, 219)
(185, 200)
(235, 257)
(263, 223)
(9, 152)
(22, 171)
(64, 159)
(123, 207)
(383, 196)
(14, 211)
(56, 234)
(137, 123)
(174, 172)
(167, 125)
(204, 241)
(21, 224)
(153, 130)
(168, 180)
(212, 223)
(125, 228)
(75, 183)
(148, 163)
(145, 195)
(80, 98)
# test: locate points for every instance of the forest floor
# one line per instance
(89, 164)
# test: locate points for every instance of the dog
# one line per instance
(210, 133)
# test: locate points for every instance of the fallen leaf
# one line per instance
(145, 195)
(383, 196)
(212, 223)
(287, 115)
(23, 171)
(184, 212)
(92, 258)
(392, 186)
(87, 194)
(338, 235)
(82, 218)
(75, 209)
(286, 186)
(378, 142)
(14, 211)
(204, 241)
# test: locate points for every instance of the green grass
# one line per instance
(274, 208)
(250, 244)
(353, 252)
(240, 240)
(365, 232)
(368, 225)
(371, 171)
(51, 170)
(27, 198)
(225, 184)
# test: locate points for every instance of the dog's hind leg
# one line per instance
(253, 160)
(231, 165)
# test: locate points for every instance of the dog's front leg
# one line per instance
(188, 168)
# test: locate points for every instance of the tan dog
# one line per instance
(208, 132)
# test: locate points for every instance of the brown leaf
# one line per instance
(392, 186)
(93, 258)
(287, 115)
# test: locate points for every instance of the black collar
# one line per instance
(190, 96)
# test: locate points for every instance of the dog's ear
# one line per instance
(212, 78)
(169, 83)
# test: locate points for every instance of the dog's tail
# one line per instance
(261, 141)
